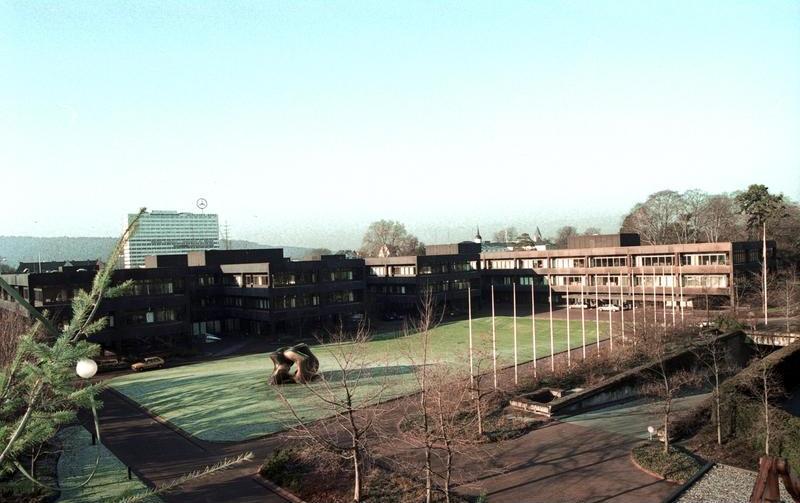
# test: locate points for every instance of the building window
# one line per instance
(501, 264)
(608, 261)
(704, 259)
(404, 270)
(341, 275)
(657, 280)
(654, 260)
(377, 270)
(705, 280)
(563, 263)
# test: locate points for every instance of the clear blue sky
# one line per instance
(301, 122)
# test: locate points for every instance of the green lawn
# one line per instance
(110, 482)
(230, 399)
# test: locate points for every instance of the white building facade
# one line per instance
(170, 233)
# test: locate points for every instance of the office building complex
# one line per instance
(176, 301)
(170, 232)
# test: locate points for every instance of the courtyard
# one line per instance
(229, 399)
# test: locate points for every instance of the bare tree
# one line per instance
(654, 220)
(563, 234)
(442, 431)
(450, 396)
(664, 383)
(689, 215)
(789, 292)
(713, 354)
(719, 219)
(506, 234)
(392, 235)
(344, 394)
(12, 327)
(765, 385)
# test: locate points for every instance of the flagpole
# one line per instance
(610, 323)
(494, 342)
(469, 311)
(680, 285)
(597, 312)
(664, 299)
(655, 313)
(514, 298)
(633, 301)
(533, 324)
(622, 308)
(550, 300)
(583, 319)
(569, 340)
(672, 288)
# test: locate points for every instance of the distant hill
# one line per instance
(15, 249)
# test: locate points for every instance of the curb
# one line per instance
(280, 491)
(645, 470)
(678, 492)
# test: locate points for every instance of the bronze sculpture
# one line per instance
(283, 359)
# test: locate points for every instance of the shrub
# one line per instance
(283, 468)
(676, 465)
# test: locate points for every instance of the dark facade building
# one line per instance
(448, 272)
(177, 300)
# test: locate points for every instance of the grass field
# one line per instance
(110, 482)
(230, 399)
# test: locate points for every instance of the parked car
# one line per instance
(109, 364)
(609, 307)
(578, 305)
(153, 362)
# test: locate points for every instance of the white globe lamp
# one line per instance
(651, 431)
(86, 368)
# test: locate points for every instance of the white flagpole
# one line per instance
(469, 311)
(610, 323)
(672, 287)
(644, 304)
(664, 298)
(644, 300)
(583, 319)
(764, 269)
(494, 342)
(569, 341)
(597, 312)
(633, 300)
(655, 313)
(550, 299)
(533, 325)
(622, 308)
(514, 300)
(680, 285)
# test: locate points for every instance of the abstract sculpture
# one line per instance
(284, 358)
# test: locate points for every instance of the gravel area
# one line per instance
(725, 484)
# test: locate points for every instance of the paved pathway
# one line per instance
(632, 418)
(159, 454)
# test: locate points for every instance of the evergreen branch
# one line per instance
(189, 477)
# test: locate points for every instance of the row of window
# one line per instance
(614, 261)
(281, 279)
(288, 301)
(689, 280)
(156, 286)
(159, 315)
